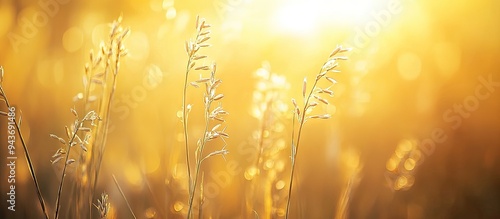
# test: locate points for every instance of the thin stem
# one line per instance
(28, 159)
(123, 195)
(59, 191)
(106, 125)
(185, 124)
(185, 121)
(200, 155)
(160, 211)
(200, 208)
(98, 130)
(296, 150)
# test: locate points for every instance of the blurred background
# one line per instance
(415, 131)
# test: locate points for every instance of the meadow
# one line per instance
(249, 109)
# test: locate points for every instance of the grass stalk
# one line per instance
(216, 114)
(192, 48)
(26, 152)
(199, 160)
(73, 140)
(303, 114)
(124, 197)
(295, 151)
(101, 72)
(106, 116)
(211, 84)
(185, 124)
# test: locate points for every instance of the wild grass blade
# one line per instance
(25, 149)
(124, 197)
(328, 66)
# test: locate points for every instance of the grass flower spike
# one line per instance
(311, 100)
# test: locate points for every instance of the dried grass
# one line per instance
(103, 206)
(313, 99)
(90, 132)
(124, 197)
(214, 116)
(17, 124)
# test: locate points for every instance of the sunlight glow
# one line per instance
(303, 17)
(297, 17)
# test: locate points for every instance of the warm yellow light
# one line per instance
(299, 17)
(133, 174)
(305, 17)
(72, 39)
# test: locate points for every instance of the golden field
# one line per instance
(414, 129)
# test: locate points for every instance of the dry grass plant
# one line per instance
(311, 100)
(90, 132)
(103, 206)
(213, 116)
(17, 125)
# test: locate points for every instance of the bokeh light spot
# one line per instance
(410, 164)
(280, 185)
(171, 13)
(150, 213)
(133, 174)
(391, 164)
(268, 164)
(447, 57)
(409, 66)
(279, 165)
(401, 182)
(405, 145)
(72, 39)
(178, 206)
(251, 172)
(138, 46)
